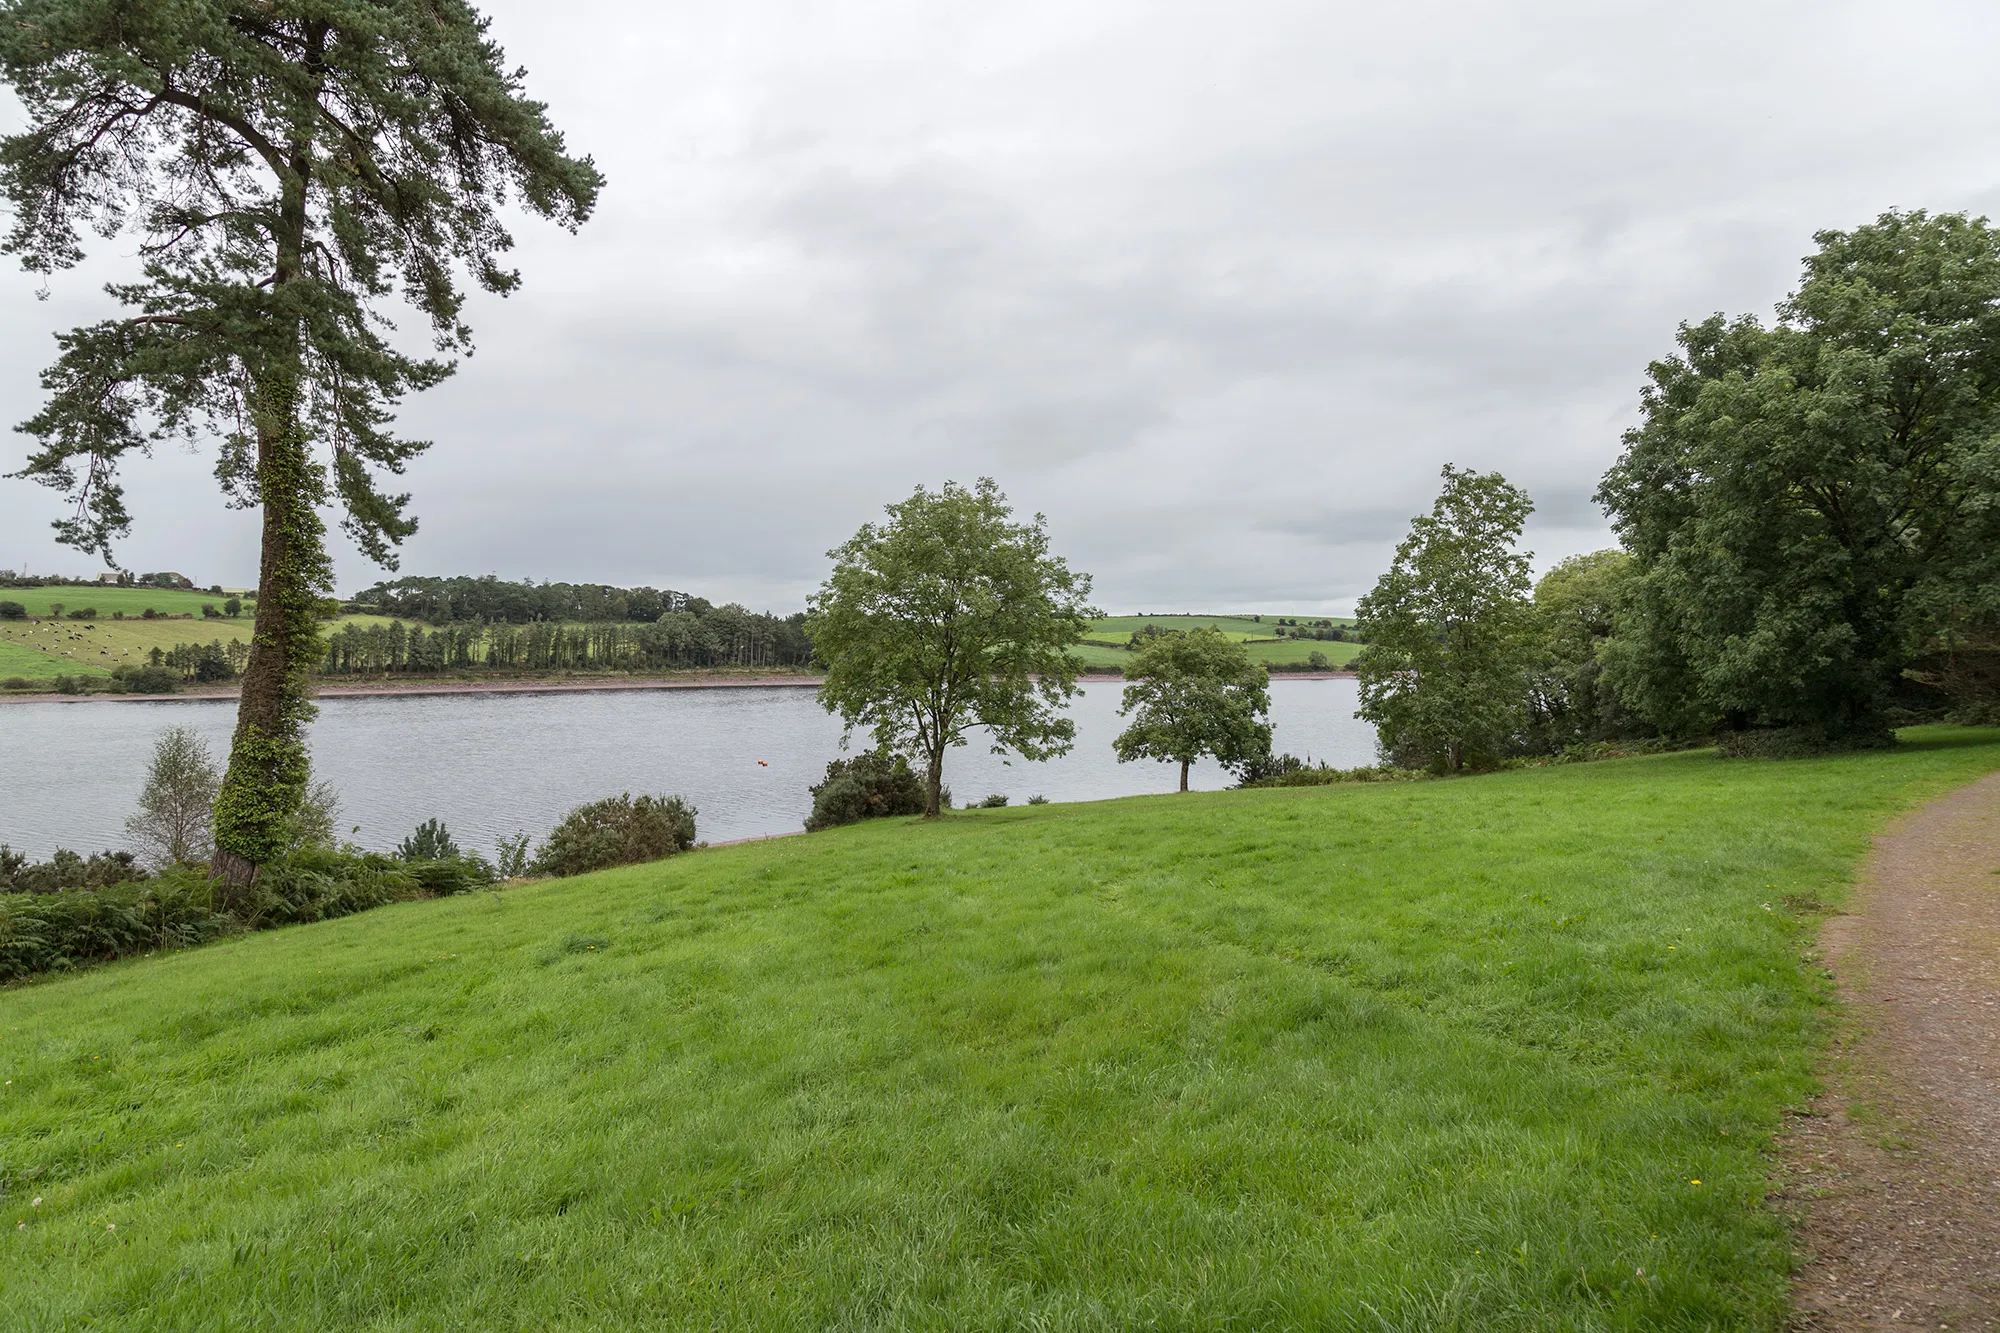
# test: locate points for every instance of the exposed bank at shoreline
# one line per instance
(549, 685)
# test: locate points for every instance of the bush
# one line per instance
(17, 683)
(66, 870)
(994, 802)
(617, 831)
(146, 679)
(1038, 800)
(1290, 771)
(48, 932)
(13, 611)
(430, 842)
(84, 613)
(868, 786)
(1798, 742)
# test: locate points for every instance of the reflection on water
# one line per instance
(494, 764)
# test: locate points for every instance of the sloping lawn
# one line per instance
(1501, 1053)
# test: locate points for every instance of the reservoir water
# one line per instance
(490, 765)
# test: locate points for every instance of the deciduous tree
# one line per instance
(1450, 629)
(1811, 507)
(289, 168)
(948, 617)
(1193, 694)
(175, 823)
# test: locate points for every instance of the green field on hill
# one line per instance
(106, 599)
(1104, 649)
(1494, 1053)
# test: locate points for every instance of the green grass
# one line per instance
(107, 599)
(1418, 1056)
(1104, 645)
(31, 663)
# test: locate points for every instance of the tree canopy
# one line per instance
(1811, 506)
(1195, 693)
(947, 617)
(1450, 629)
(289, 169)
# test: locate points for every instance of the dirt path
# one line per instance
(1897, 1167)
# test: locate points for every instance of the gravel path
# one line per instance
(1896, 1169)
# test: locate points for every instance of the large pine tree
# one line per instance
(291, 167)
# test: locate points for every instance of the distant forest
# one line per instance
(487, 622)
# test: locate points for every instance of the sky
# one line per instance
(1217, 288)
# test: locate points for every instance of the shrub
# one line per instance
(47, 932)
(146, 679)
(513, 856)
(17, 683)
(84, 613)
(66, 870)
(1317, 660)
(1038, 800)
(617, 831)
(13, 611)
(430, 842)
(868, 786)
(233, 608)
(69, 685)
(1289, 771)
(1798, 742)
(149, 614)
(994, 802)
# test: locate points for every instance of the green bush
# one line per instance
(84, 613)
(617, 831)
(146, 679)
(17, 683)
(431, 841)
(66, 870)
(1798, 742)
(1286, 770)
(76, 925)
(13, 611)
(868, 786)
(50, 932)
(994, 802)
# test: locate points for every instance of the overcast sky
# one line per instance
(1217, 287)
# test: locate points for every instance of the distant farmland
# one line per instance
(1104, 646)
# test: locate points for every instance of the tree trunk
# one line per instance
(1184, 769)
(933, 783)
(269, 769)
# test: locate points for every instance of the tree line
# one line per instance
(715, 637)
(455, 599)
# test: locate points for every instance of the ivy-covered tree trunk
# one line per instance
(269, 768)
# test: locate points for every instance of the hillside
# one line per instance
(1104, 646)
(1502, 1052)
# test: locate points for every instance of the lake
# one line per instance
(490, 765)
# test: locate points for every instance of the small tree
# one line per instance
(950, 617)
(175, 824)
(1450, 629)
(1194, 694)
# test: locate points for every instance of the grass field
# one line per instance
(71, 645)
(30, 663)
(1499, 1053)
(1103, 648)
(105, 600)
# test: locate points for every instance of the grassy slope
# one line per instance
(1117, 629)
(105, 600)
(66, 645)
(1421, 1056)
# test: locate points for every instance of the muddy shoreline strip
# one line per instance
(558, 686)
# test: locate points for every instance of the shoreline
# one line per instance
(386, 689)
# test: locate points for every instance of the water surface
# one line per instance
(495, 764)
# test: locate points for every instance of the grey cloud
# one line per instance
(1216, 288)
